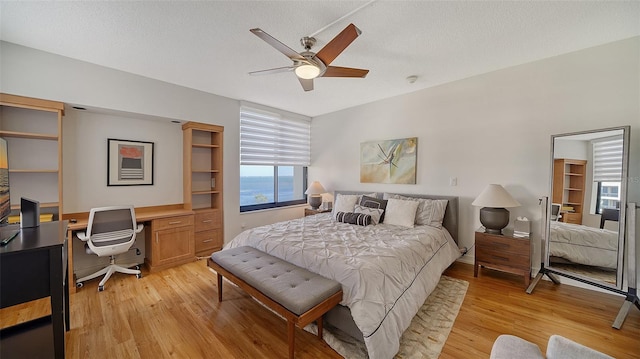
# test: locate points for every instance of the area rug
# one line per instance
(427, 333)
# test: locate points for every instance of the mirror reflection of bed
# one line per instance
(587, 251)
(587, 193)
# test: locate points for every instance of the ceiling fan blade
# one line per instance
(286, 50)
(272, 71)
(307, 84)
(335, 71)
(331, 50)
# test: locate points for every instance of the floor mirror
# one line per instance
(584, 234)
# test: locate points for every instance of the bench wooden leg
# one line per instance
(291, 330)
(319, 323)
(219, 288)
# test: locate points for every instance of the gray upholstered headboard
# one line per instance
(450, 221)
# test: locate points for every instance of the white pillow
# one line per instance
(345, 203)
(400, 212)
(430, 211)
(375, 213)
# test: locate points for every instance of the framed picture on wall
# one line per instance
(129, 163)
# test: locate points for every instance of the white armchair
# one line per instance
(110, 231)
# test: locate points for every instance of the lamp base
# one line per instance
(494, 219)
(315, 201)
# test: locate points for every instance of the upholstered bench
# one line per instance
(295, 293)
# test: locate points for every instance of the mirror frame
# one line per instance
(618, 287)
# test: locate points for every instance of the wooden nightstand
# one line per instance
(503, 252)
(311, 211)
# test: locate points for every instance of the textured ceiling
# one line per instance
(208, 46)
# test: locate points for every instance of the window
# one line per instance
(274, 155)
(607, 172)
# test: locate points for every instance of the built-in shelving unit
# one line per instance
(568, 188)
(33, 130)
(203, 191)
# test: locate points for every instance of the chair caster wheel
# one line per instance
(137, 267)
(100, 288)
(79, 285)
(139, 275)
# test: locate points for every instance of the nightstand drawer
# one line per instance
(514, 260)
(502, 244)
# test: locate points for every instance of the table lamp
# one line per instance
(494, 200)
(315, 192)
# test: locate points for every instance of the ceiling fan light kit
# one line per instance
(308, 65)
(307, 71)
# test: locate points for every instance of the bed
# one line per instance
(583, 245)
(386, 271)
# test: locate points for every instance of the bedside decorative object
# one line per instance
(315, 192)
(506, 253)
(494, 216)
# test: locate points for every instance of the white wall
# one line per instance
(84, 155)
(491, 128)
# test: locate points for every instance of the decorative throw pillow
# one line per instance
(400, 212)
(360, 219)
(375, 213)
(345, 203)
(372, 202)
(430, 211)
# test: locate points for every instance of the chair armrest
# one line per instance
(82, 236)
(509, 347)
(563, 348)
(139, 228)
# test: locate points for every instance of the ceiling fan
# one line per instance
(308, 65)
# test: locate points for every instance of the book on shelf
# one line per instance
(44, 217)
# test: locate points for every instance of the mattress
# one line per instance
(386, 271)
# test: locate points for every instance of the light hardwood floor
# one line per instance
(174, 313)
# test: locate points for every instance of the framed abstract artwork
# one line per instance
(389, 161)
(129, 163)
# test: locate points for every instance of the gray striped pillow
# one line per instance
(360, 219)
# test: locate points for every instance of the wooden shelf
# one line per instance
(37, 156)
(29, 135)
(206, 171)
(202, 180)
(32, 171)
(205, 192)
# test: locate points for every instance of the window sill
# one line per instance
(303, 205)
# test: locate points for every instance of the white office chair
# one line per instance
(110, 231)
(555, 212)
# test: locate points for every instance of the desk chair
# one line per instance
(110, 231)
(609, 214)
(555, 212)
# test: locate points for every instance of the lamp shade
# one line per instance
(495, 196)
(315, 188)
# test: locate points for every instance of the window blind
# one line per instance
(273, 139)
(607, 160)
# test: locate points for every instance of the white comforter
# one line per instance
(584, 245)
(386, 271)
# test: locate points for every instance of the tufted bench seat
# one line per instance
(297, 294)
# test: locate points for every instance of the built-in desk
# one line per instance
(34, 266)
(169, 241)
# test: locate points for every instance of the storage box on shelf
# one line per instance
(203, 184)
